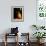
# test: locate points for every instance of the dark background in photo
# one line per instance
(17, 13)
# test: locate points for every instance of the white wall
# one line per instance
(29, 15)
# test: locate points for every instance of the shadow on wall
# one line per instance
(6, 31)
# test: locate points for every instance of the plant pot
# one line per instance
(38, 42)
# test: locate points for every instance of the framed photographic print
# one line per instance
(17, 13)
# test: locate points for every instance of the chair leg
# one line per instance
(5, 40)
(17, 40)
(5, 43)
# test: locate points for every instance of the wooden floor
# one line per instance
(13, 44)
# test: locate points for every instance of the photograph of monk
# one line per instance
(17, 13)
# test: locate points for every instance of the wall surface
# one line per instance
(29, 15)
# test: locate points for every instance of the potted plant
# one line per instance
(39, 35)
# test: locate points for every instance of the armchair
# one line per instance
(14, 32)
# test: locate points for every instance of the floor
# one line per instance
(13, 44)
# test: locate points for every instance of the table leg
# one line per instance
(5, 40)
